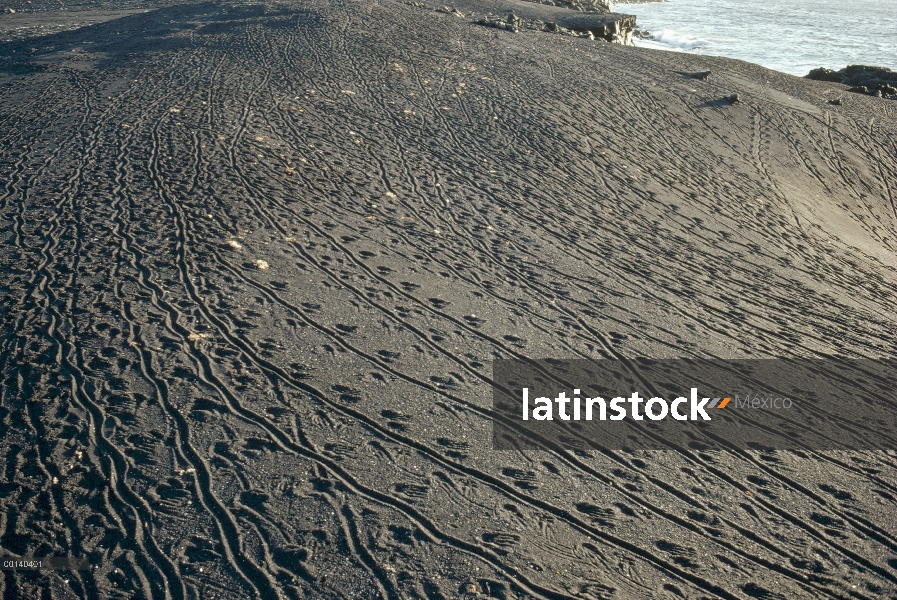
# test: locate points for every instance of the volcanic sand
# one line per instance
(257, 260)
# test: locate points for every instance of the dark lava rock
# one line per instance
(486, 22)
(580, 5)
(872, 81)
(449, 11)
(823, 74)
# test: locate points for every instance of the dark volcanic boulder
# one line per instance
(823, 74)
(612, 27)
(580, 5)
(858, 72)
(873, 81)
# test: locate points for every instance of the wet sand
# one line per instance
(256, 261)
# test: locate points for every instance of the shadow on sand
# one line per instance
(156, 31)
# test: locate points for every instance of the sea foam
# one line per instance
(669, 39)
(792, 37)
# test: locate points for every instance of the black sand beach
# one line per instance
(256, 260)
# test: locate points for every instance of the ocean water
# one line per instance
(792, 36)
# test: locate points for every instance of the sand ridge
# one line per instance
(257, 259)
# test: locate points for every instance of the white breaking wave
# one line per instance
(793, 36)
(648, 43)
(670, 38)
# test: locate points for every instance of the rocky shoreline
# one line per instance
(580, 5)
(615, 31)
(590, 5)
(517, 15)
(879, 82)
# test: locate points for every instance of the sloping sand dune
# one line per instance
(256, 261)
